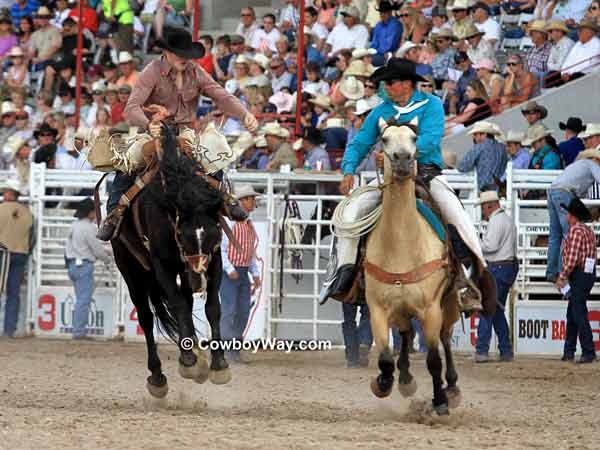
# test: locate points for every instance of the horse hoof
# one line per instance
(157, 391)
(442, 410)
(377, 391)
(409, 389)
(222, 376)
(454, 397)
(195, 372)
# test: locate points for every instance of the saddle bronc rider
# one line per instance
(168, 87)
(403, 103)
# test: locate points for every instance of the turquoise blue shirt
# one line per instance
(430, 113)
(545, 159)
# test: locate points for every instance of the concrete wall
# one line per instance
(212, 11)
(577, 99)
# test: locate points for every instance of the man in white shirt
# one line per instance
(247, 25)
(483, 22)
(280, 77)
(264, 39)
(311, 16)
(585, 54)
(561, 44)
(347, 35)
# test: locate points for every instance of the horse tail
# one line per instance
(165, 317)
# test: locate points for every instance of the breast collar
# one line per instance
(411, 107)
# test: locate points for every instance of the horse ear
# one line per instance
(382, 124)
(415, 121)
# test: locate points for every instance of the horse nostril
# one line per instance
(396, 157)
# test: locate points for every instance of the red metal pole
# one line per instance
(300, 68)
(196, 19)
(79, 63)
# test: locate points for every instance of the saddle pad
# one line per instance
(432, 219)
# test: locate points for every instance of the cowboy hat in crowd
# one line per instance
(323, 101)
(45, 128)
(12, 185)
(404, 49)
(591, 129)
(592, 153)
(485, 127)
(275, 129)
(514, 136)
(352, 88)
(243, 190)
(574, 124)
(535, 133)
(534, 107)
(488, 197)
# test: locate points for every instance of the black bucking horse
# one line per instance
(178, 218)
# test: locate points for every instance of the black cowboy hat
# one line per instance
(84, 207)
(179, 41)
(314, 136)
(573, 123)
(386, 6)
(45, 128)
(578, 209)
(45, 154)
(397, 69)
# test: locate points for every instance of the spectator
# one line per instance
(66, 98)
(427, 86)
(387, 34)
(487, 156)
(572, 145)
(519, 155)
(519, 6)
(18, 75)
(245, 147)
(462, 21)
(111, 73)
(127, 67)
(311, 16)
(327, 13)
(239, 264)
(574, 181)
(46, 41)
(90, 17)
(44, 102)
(314, 85)
(363, 108)
(81, 252)
(15, 234)
(537, 56)
(20, 152)
(8, 40)
(21, 9)
(499, 246)
(237, 49)
(45, 135)
(311, 52)
(492, 82)
(73, 158)
(477, 107)
(289, 17)
(439, 19)
(483, 22)
(7, 112)
(283, 49)
(413, 28)
(593, 13)
(576, 281)
(520, 85)
(61, 13)
(335, 134)
(120, 16)
(478, 47)
(458, 99)
(22, 126)
(280, 77)
(263, 39)
(534, 113)
(247, 26)
(591, 136)
(545, 156)
(561, 46)
(412, 52)
(280, 151)
(583, 57)
(25, 33)
(444, 59)
(315, 155)
(322, 108)
(98, 94)
(348, 35)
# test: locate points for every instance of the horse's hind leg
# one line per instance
(383, 383)
(406, 382)
(432, 325)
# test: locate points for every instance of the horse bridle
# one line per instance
(393, 123)
(197, 262)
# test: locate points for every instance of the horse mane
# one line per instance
(183, 187)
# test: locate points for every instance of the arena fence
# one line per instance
(286, 307)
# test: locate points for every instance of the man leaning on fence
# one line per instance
(573, 182)
(81, 252)
(15, 228)
(499, 244)
(576, 281)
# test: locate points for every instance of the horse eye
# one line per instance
(385, 140)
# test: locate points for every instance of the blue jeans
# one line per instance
(505, 276)
(235, 304)
(558, 229)
(83, 281)
(354, 335)
(397, 339)
(578, 323)
(119, 186)
(16, 272)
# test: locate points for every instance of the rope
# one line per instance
(359, 227)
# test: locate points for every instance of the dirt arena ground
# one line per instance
(65, 395)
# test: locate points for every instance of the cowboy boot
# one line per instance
(469, 295)
(110, 227)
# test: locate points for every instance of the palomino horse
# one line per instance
(406, 275)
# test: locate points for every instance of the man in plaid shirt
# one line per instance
(538, 55)
(577, 279)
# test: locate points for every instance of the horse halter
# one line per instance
(197, 262)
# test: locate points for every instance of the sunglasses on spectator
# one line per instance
(530, 112)
(593, 8)
(97, 92)
(513, 63)
(246, 14)
(369, 86)
(427, 85)
(46, 135)
(404, 15)
(275, 67)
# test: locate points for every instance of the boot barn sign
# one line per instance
(55, 307)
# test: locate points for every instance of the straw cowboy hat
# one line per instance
(243, 190)
(514, 136)
(589, 154)
(82, 134)
(485, 127)
(585, 23)
(445, 33)
(43, 12)
(535, 133)
(99, 86)
(359, 53)
(351, 88)
(351, 11)
(557, 25)
(323, 101)
(16, 52)
(14, 144)
(8, 108)
(262, 60)
(459, 4)
(591, 129)
(472, 31)
(242, 59)
(283, 101)
(362, 107)
(84, 207)
(404, 49)
(534, 106)
(538, 25)
(11, 184)
(487, 197)
(357, 68)
(243, 143)
(260, 142)
(258, 81)
(179, 41)
(125, 57)
(335, 122)
(275, 129)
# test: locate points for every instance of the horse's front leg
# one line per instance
(432, 324)
(383, 383)
(219, 369)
